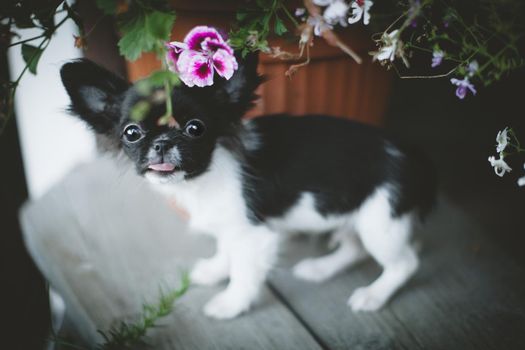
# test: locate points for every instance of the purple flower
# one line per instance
(437, 58)
(414, 9)
(462, 87)
(202, 53)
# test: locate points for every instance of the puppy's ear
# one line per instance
(235, 96)
(96, 93)
(239, 91)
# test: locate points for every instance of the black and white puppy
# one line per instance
(248, 182)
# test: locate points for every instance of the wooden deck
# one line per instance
(107, 243)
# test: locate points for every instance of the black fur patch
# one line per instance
(339, 161)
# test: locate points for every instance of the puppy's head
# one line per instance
(204, 116)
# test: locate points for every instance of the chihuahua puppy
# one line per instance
(248, 182)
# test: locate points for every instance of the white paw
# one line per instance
(207, 273)
(366, 299)
(225, 305)
(312, 270)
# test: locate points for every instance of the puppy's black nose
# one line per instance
(160, 146)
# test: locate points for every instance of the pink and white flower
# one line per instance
(360, 9)
(202, 53)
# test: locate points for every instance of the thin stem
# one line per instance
(94, 26)
(425, 76)
(41, 47)
(294, 21)
(169, 107)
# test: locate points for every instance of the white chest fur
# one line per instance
(214, 199)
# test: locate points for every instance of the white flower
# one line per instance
(319, 24)
(499, 165)
(502, 139)
(336, 13)
(521, 180)
(389, 48)
(360, 8)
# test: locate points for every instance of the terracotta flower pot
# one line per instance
(331, 84)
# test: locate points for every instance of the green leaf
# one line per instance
(159, 24)
(143, 33)
(279, 27)
(31, 55)
(135, 38)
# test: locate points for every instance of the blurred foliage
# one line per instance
(144, 25)
(490, 32)
(257, 21)
(128, 335)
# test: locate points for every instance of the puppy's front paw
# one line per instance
(366, 299)
(225, 305)
(312, 270)
(207, 272)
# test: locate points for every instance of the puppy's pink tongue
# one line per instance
(162, 167)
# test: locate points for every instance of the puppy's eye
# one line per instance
(132, 133)
(194, 128)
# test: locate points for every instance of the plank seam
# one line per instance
(298, 317)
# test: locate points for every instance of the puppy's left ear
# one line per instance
(238, 93)
(96, 94)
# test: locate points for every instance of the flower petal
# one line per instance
(195, 69)
(213, 45)
(366, 17)
(197, 35)
(500, 166)
(357, 13)
(224, 63)
(174, 49)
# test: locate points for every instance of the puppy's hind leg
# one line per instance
(391, 248)
(349, 252)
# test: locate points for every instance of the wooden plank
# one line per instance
(107, 244)
(460, 298)
(471, 288)
(323, 306)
